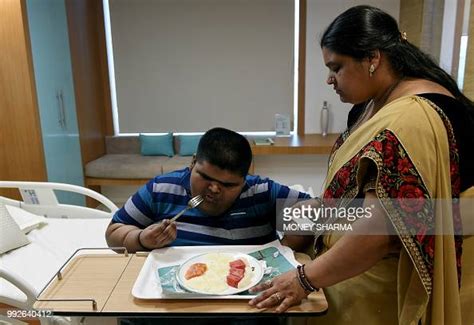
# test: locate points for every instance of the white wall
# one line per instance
(320, 13)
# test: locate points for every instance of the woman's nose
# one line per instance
(330, 80)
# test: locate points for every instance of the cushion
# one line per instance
(12, 236)
(157, 145)
(126, 166)
(27, 221)
(188, 144)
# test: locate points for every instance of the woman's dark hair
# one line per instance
(225, 149)
(361, 30)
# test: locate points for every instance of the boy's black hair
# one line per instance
(225, 149)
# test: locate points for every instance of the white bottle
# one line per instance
(324, 119)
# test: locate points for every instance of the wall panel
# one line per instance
(21, 149)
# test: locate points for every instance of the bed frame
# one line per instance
(39, 198)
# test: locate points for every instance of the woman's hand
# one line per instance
(282, 291)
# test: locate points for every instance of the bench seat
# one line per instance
(124, 165)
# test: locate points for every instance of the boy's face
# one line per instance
(219, 187)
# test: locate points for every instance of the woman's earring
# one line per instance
(371, 70)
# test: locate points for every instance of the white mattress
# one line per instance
(51, 245)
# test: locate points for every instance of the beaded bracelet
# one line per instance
(302, 284)
(304, 280)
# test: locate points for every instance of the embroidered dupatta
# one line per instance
(412, 144)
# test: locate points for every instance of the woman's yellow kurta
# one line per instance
(412, 145)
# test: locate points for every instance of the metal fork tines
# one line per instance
(193, 203)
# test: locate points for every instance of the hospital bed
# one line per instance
(58, 231)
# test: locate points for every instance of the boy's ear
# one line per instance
(193, 162)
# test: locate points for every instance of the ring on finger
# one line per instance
(277, 297)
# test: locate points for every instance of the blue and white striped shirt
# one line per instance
(251, 220)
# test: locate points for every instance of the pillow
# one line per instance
(27, 221)
(12, 237)
(157, 145)
(188, 144)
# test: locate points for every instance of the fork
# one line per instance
(194, 202)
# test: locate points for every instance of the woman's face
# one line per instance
(349, 77)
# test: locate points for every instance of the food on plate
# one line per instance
(236, 272)
(237, 264)
(197, 269)
(222, 272)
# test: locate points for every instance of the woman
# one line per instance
(407, 140)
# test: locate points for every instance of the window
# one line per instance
(187, 65)
(462, 60)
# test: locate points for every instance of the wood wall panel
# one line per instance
(21, 147)
(457, 38)
(91, 82)
(411, 12)
(433, 11)
(422, 20)
(300, 128)
(469, 72)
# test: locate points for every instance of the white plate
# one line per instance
(254, 265)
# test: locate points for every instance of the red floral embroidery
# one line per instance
(343, 177)
(411, 198)
(421, 233)
(409, 179)
(404, 166)
(377, 145)
(389, 153)
(430, 245)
